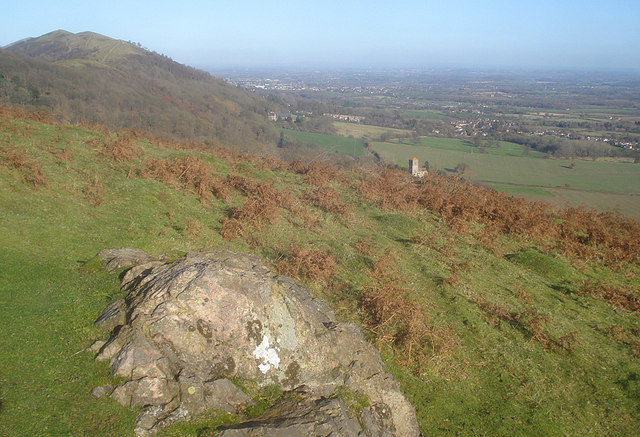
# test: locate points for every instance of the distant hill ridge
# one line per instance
(60, 45)
(88, 76)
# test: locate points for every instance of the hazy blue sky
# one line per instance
(330, 33)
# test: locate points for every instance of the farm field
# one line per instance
(599, 185)
(365, 130)
(454, 144)
(348, 146)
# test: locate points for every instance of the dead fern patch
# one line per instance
(365, 246)
(187, 172)
(396, 319)
(304, 262)
(391, 189)
(578, 233)
(120, 150)
(614, 295)
(232, 229)
(26, 165)
(328, 200)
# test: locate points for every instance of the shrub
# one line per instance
(396, 319)
(22, 161)
(328, 199)
(307, 263)
(188, 172)
(120, 149)
(613, 295)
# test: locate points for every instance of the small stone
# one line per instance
(117, 259)
(101, 391)
(97, 345)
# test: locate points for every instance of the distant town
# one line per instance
(457, 104)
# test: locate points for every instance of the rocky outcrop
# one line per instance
(299, 413)
(186, 327)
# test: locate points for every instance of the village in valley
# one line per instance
(467, 108)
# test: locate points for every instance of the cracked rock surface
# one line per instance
(186, 327)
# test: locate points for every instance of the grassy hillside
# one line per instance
(599, 184)
(90, 77)
(499, 317)
(62, 45)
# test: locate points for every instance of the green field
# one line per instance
(330, 143)
(457, 145)
(600, 185)
(365, 130)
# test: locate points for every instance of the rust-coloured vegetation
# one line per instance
(391, 189)
(15, 112)
(576, 232)
(614, 295)
(187, 171)
(304, 262)
(329, 200)
(120, 149)
(261, 206)
(364, 246)
(395, 318)
(28, 167)
(320, 173)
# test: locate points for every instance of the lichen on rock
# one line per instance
(187, 326)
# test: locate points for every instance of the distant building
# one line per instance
(415, 170)
(342, 117)
(280, 116)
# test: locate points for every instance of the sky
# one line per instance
(332, 34)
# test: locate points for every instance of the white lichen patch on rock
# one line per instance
(268, 355)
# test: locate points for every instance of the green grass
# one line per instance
(330, 143)
(364, 130)
(499, 380)
(457, 145)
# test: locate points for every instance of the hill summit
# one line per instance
(61, 45)
(91, 77)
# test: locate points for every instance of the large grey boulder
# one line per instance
(185, 327)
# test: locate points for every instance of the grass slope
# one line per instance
(486, 369)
